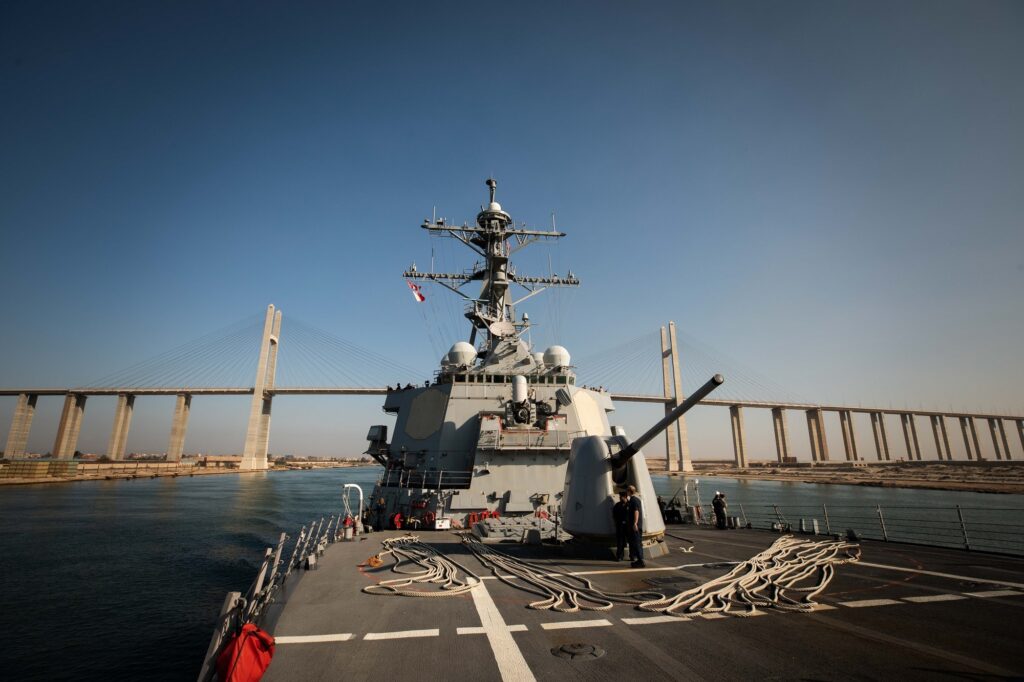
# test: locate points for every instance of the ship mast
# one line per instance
(495, 237)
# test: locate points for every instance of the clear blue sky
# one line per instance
(829, 192)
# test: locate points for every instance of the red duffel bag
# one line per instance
(246, 657)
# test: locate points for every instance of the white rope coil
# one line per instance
(434, 568)
(786, 576)
(561, 592)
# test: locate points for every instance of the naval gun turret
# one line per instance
(601, 465)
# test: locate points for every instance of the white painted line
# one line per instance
(566, 624)
(995, 593)
(1003, 583)
(655, 619)
(402, 634)
(511, 663)
(934, 597)
(713, 616)
(868, 602)
(308, 639)
(479, 630)
(822, 607)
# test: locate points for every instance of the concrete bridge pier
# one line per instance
(881, 440)
(781, 434)
(999, 443)
(739, 441)
(910, 437)
(941, 438)
(182, 407)
(70, 426)
(849, 437)
(1006, 442)
(257, 436)
(122, 422)
(672, 432)
(816, 432)
(970, 433)
(21, 424)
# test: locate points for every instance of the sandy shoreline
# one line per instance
(979, 477)
(186, 472)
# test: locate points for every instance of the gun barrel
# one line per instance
(630, 450)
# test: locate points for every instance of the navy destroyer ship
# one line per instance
(484, 550)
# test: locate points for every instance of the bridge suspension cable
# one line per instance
(634, 367)
(223, 358)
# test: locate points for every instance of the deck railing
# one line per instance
(426, 480)
(988, 529)
(239, 609)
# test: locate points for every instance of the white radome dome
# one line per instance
(556, 356)
(462, 353)
(538, 358)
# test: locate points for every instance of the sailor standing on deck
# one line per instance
(635, 528)
(719, 506)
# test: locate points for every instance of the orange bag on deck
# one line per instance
(246, 657)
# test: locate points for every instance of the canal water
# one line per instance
(123, 579)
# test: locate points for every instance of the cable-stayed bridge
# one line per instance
(248, 358)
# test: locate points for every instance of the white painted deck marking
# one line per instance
(995, 593)
(511, 663)
(822, 607)
(861, 603)
(308, 639)
(1003, 583)
(402, 634)
(478, 630)
(934, 597)
(566, 624)
(655, 619)
(713, 616)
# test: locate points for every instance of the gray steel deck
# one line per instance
(904, 611)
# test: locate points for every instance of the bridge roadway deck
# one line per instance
(617, 397)
(904, 612)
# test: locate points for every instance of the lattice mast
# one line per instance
(495, 237)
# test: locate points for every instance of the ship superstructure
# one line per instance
(492, 432)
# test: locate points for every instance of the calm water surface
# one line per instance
(123, 579)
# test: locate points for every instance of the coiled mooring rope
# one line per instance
(434, 568)
(560, 591)
(786, 576)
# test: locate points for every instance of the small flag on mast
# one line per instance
(416, 293)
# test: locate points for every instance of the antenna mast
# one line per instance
(495, 238)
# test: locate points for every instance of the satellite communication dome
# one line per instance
(538, 357)
(462, 353)
(494, 206)
(556, 356)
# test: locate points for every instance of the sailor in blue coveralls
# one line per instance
(635, 527)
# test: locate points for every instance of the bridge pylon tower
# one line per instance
(257, 435)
